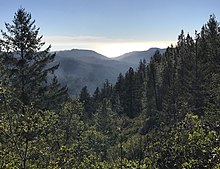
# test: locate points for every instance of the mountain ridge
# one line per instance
(136, 56)
(80, 67)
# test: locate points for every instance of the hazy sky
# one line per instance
(113, 27)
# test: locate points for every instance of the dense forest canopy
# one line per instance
(164, 114)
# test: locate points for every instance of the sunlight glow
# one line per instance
(117, 49)
(106, 46)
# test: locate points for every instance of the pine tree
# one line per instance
(86, 99)
(118, 95)
(185, 57)
(96, 95)
(169, 87)
(152, 91)
(206, 65)
(129, 100)
(106, 91)
(96, 98)
(31, 70)
(210, 43)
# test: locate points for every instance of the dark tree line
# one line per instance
(172, 84)
(182, 81)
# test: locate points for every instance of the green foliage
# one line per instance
(24, 133)
(189, 144)
(162, 115)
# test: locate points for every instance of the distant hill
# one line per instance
(136, 56)
(86, 67)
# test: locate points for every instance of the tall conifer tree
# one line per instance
(31, 68)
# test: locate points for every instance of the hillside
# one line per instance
(136, 56)
(79, 68)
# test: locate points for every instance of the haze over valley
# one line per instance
(79, 68)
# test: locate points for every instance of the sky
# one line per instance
(112, 27)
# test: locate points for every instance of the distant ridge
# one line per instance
(136, 56)
(79, 67)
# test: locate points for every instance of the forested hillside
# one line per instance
(164, 114)
(85, 67)
(79, 68)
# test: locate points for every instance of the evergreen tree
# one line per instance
(183, 67)
(96, 95)
(119, 95)
(96, 98)
(86, 99)
(103, 123)
(106, 91)
(129, 100)
(31, 69)
(153, 84)
(209, 44)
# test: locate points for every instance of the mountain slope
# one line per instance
(136, 56)
(79, 68)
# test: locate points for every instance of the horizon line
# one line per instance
(109, 47)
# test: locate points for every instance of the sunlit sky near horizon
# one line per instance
(113, 27)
